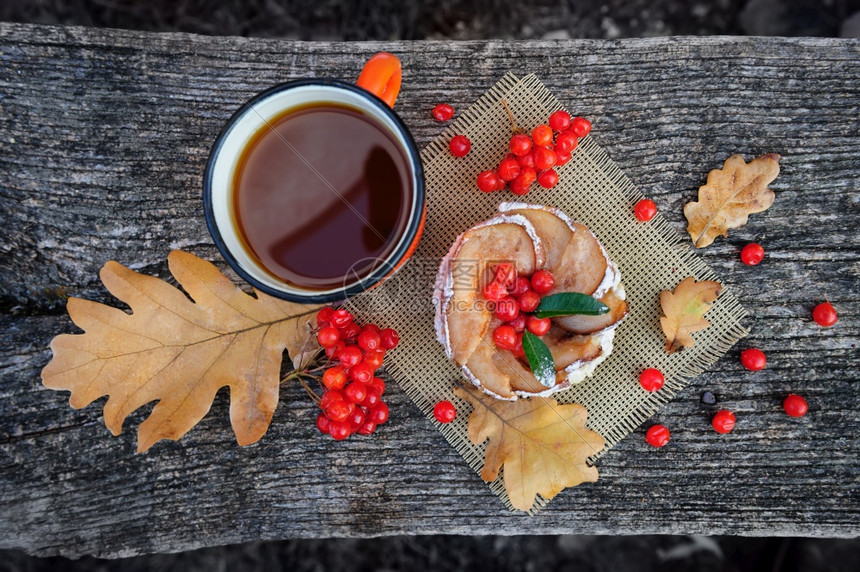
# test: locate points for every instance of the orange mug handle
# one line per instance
(381, 76)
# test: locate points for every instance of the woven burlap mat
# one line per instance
(592, 190)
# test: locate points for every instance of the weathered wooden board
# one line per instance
(103, 139)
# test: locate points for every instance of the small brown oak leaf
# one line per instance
(684, 310)
(542, 444)
(178, 352)
(730, 195)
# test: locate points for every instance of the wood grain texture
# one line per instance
(103, 140)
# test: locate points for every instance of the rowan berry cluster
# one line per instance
(516, 297)
(532, 158)
(352, 399)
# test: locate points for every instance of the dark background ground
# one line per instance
(499, 554)
(450, 19)
(465, 20)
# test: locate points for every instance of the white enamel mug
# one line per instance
(380, 76)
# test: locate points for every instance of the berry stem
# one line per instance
(290, 376)
(513, 121)
(311, 393)
(300, 374)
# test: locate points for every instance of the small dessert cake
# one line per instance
(508, 249)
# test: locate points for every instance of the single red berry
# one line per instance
(390, 338)
(506, 273)
(538, 326)
(377, 384)
(520, 186)
(332, 351)
(374, 358)
(338, 410)
(752, 254)
(361, 372)
(522, 183)
(520, 144)
(369, 340)
(350, 331)
(505, 337)
(753, 359)
(335, 377)
(460, 145)
(519, 323)
(495, 291)
(645, 210)
(529, 175)
(548, 179)
(561, 158)
(542, 281)
(328, 336)
(355, 392)
(565, 142)
(444, 412)
(507, 308)
(324, 317)
(519, 286)
(443, 112)
(329, 396)
(341, 346)
(657, 436)
(527, 160)
(795, 405)
(542, 135)
(824, 314)
(488, 181)
(509, 169)
(500, 184)
(580, 126)
(341, 317)
(651, 379)
(529, 301)
(367, 429)
(518, 349)
(339, 430)
(379, 414)
(371, 328)
(723, 421)
(544, 158)
(559, 120)
(355, 419)
(371, 399)
(322, 423)
(350, 355)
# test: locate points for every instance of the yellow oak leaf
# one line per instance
(179, 352)
(730, 195)
(684, 309)
(543, 445)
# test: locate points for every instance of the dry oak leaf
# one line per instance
(730, 195)
(178, 352)
(684, 309)
(543, 445)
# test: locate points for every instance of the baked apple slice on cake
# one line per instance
(483, 311)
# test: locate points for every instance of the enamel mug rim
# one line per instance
(224, 157)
